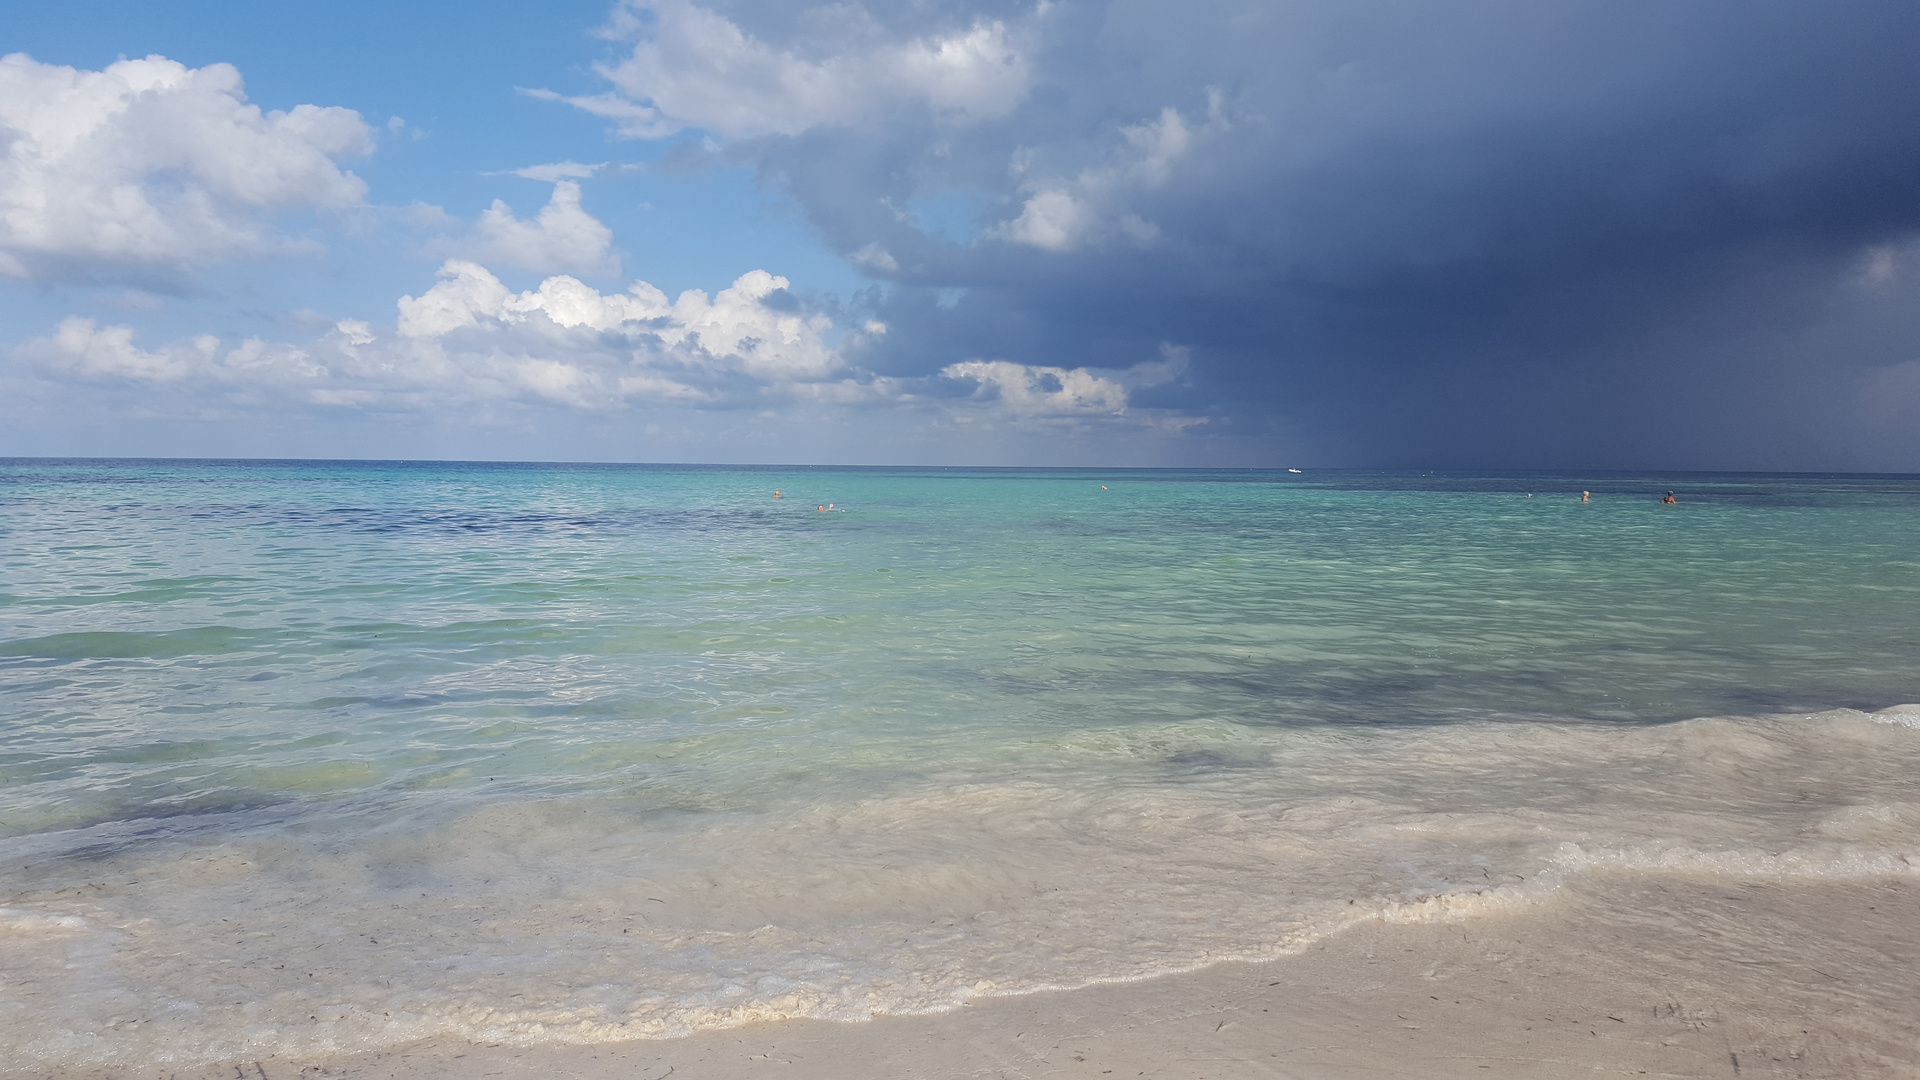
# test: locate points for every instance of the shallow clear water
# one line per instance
(319, 757)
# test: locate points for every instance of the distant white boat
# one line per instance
(1293, 470)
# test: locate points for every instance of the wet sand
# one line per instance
(1642, 975)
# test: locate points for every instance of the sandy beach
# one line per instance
(1673, 977)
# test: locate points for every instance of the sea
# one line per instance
(304, 759)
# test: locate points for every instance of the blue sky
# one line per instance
(1472, 234)
(452, 74)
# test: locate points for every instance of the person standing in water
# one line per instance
(1584, 494)
(1668, 498)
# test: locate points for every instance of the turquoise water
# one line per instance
(495, 712)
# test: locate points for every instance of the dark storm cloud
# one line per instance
(1491, 233)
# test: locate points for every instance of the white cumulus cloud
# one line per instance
(562, 237)
(735, 330)
(470, 338)
(1064, 213)
(694, 68)
(1035, 390)
(1040, 392)
(107, 352)
(1052, 219)
(149, 166)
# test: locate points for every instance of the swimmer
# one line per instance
(1584, 494)
(1669, 498)
(1103, 487)
(776, 493)
(822, 509)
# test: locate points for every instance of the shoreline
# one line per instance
(1613, 974)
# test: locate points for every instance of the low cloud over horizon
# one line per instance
(1486, 234)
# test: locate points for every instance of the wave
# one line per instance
(579, 919)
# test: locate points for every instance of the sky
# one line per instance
(1590, 234)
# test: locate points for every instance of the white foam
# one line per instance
(15, 921)
(1835, 862)
(1903, 715)
(579, 920)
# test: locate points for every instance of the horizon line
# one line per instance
(559, 463)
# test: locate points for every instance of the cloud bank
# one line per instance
(1479, 233)
(564, 348)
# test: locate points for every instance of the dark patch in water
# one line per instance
(1212, 761)
(165, 644)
